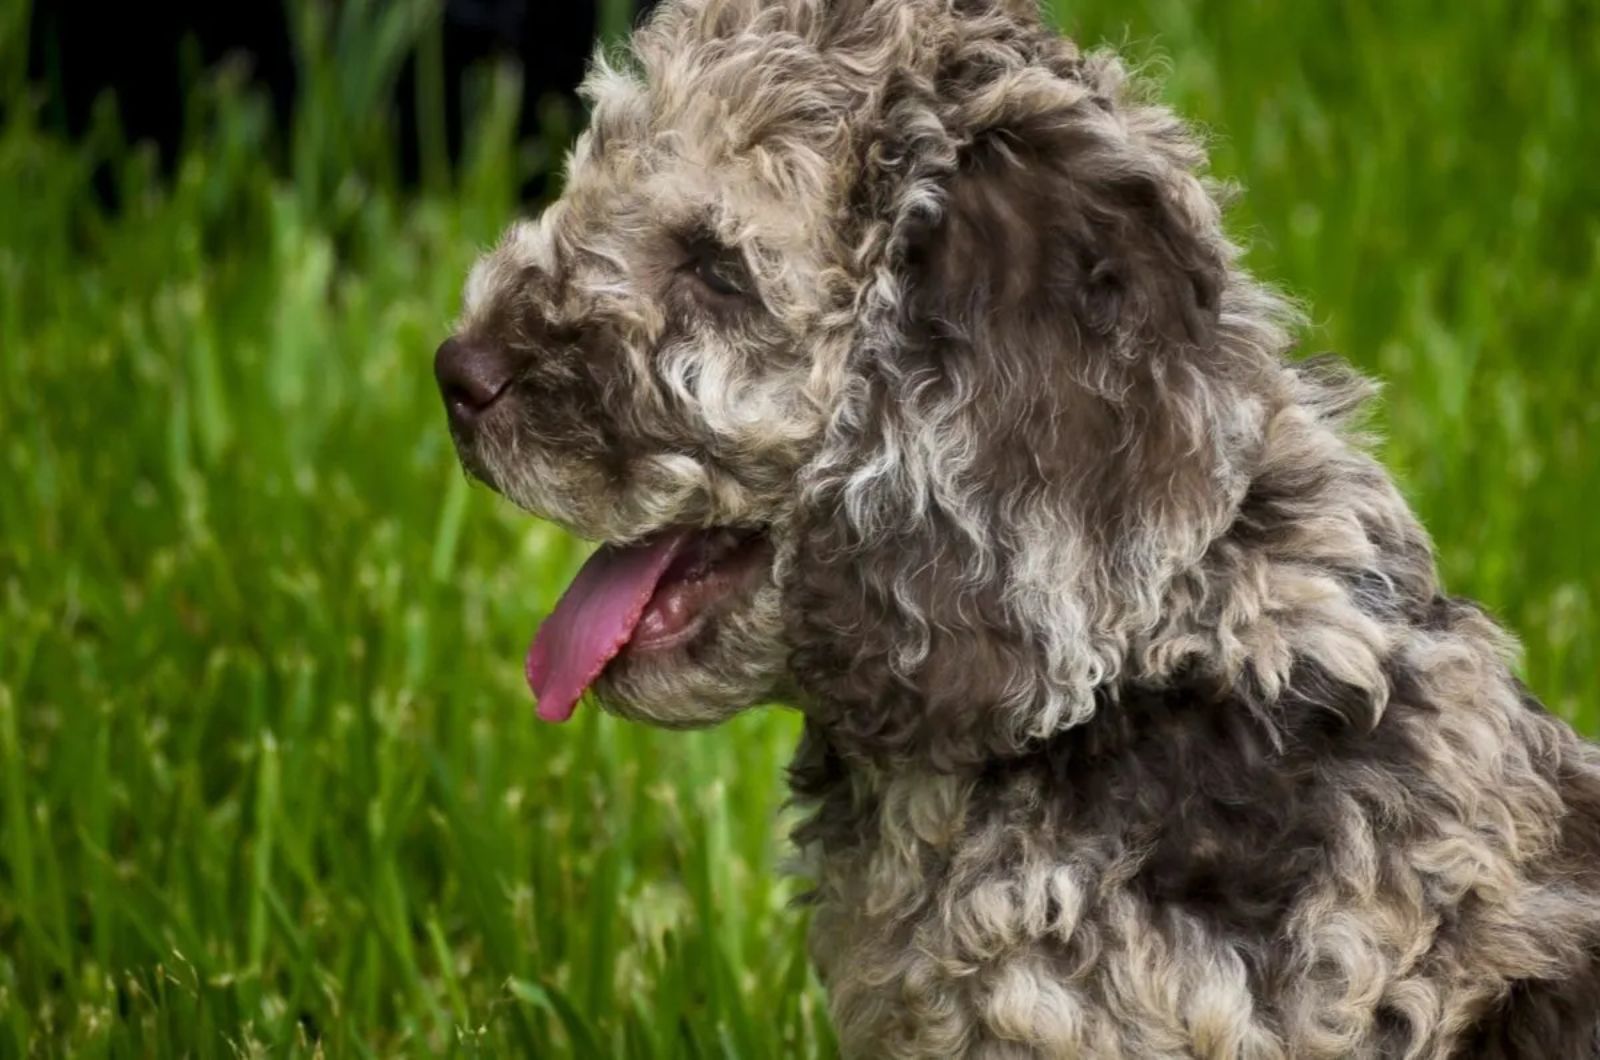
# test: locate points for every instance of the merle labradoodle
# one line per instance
(896, 354)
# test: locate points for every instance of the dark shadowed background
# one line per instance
(147, 56)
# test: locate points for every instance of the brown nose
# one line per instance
(472, 376)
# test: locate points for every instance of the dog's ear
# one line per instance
(1035, 446)
(1054, 222)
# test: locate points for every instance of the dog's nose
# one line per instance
(471, 375)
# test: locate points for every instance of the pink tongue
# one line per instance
(594, 620)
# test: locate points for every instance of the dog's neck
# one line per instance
(1315, 566)
(1320, 577)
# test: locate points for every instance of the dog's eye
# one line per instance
(721, 269)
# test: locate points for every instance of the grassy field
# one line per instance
(269, 778)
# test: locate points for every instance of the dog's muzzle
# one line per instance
(472, 376)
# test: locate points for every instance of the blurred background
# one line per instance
(269, 778)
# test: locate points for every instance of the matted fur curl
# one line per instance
(1137, 722)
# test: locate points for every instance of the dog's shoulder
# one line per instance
(1299, 872)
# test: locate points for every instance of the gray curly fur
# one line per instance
(1137, 723)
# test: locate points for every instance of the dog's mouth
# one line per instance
(646, 598)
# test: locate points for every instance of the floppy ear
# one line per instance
(1038, 442)
(1050, 220)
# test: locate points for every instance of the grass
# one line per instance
(269, 779)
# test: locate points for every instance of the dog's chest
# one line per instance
(976, 916)
(1192, 891)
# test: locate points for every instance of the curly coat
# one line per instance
(1137, 722)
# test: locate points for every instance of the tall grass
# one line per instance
(269, 782)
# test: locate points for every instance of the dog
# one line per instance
(895, 354)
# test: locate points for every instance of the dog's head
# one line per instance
(894, 353)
